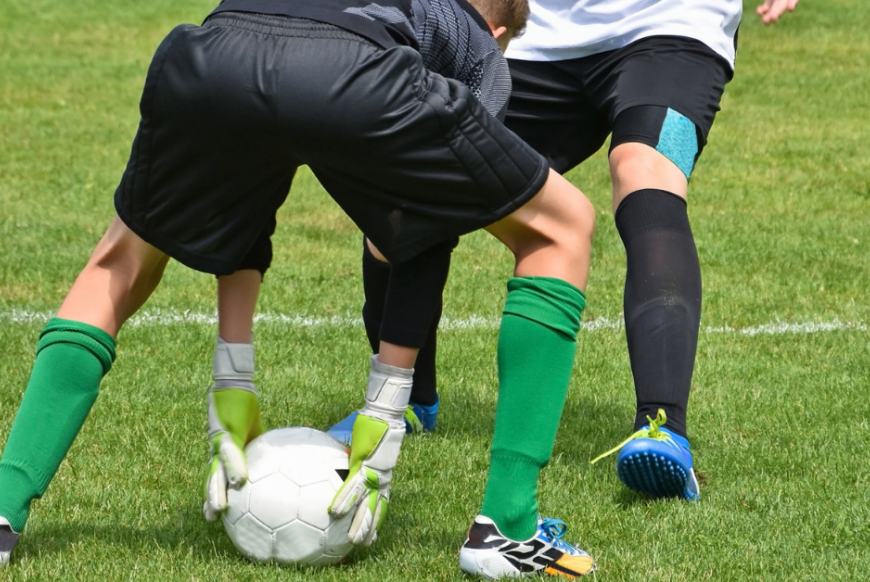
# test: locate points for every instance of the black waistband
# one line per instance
(281, 25)
(330, 12)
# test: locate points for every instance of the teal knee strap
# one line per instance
(92, 338)
(678, 141)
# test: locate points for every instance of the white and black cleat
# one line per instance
(8, 541)
(488, 553)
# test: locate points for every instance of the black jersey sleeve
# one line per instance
(455, 42)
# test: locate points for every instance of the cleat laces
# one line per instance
(555, 529)
(652, 432)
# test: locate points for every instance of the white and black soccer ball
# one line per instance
(281, 513)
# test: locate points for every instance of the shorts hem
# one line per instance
(190, 260)
(412, 248)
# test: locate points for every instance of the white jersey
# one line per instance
(561, 29)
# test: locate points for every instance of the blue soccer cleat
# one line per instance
(657, 462)
(418, 419)
(426, 415)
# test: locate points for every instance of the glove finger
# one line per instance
(380, 514)
(233, 460)
(353, 490)
(215, 493)
(209, 515)
(362, 524)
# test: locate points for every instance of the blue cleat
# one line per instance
(418, 419)
(426, 415)
(657, 462)
(343, 430)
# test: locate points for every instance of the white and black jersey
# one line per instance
(453, 39)
(559, 30)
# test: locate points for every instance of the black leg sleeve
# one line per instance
(403, 307)
(662, 302)
(376, 280)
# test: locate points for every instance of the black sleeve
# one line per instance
(456, 42)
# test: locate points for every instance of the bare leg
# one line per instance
(636, 166)
(551, 235)
(120, 276)
(237, 302)
(398, 356)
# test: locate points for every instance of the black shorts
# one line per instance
(231, 109)
(662, 91)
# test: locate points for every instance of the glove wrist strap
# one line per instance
(388, 392)
(234, 365)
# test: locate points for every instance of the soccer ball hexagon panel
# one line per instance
(281, 513)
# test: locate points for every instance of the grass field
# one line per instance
(779, 418)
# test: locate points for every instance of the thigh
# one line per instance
(550, 110)
(663, 92)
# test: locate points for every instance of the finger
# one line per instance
(349, 495)
(377, 519)
(361, 525)
(773, 9)
(215, 494)
(209, 515)
(233, 461)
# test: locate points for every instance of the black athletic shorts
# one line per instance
(231, 109)
(662, 91)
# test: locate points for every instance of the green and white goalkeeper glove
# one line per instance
(375, 444)
(233, 422)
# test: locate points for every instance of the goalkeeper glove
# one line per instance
(233, 422)
(375, 444)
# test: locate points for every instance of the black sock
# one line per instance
(662, 302)
(403, 306)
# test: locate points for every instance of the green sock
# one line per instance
(536, 348)
(71, 359)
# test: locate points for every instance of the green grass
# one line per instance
(780, 423)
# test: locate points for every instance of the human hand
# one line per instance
(771, 10)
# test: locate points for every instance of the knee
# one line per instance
(635, 166)
(567, 228)
(578, 229)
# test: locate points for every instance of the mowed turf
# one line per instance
(779, 417)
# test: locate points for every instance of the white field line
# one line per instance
(166, 318)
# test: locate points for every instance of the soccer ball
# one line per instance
(280, 513)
